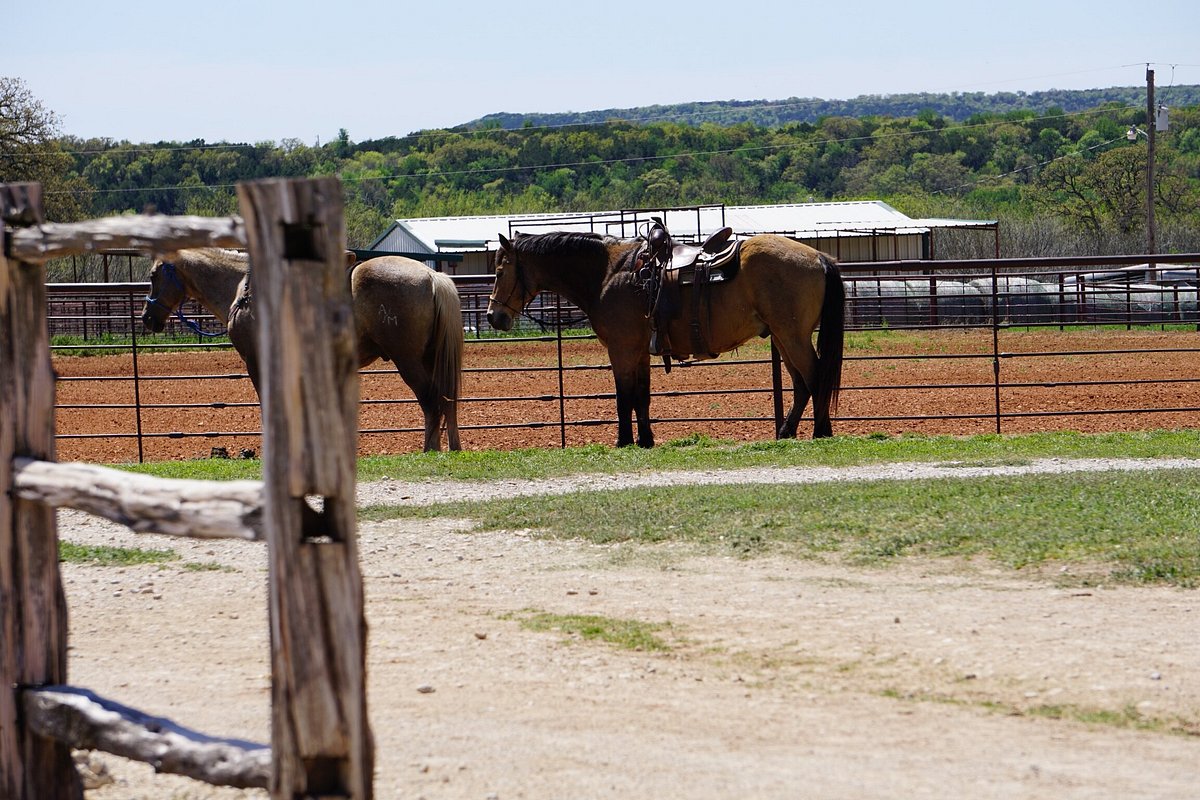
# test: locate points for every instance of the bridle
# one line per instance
(518, 284)
(168, 272)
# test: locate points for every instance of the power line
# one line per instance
(439, 133)
(483, 131)
(1072, 154)
(631, 160)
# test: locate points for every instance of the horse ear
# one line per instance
(504, 242)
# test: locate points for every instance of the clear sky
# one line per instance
(251, 71)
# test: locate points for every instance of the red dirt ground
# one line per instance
(935, 383)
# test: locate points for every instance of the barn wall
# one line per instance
(884, 247)
(473, 263)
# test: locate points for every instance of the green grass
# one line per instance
(874, 341)
(1114, 327)
(108, 344)
(625, 634)
(210, 469)
(1112, 527)
(1126, 527)
(703, 453)
(105, 556)
(530, 331)
(1126, 718)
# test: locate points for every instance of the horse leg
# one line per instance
(431, 405)
(633, 395)
(436, 410)
(624, 415)
(800, 395)
(822, 426)
(642, 407)
(800, 357)
(433, 430)
(430, 408)
(450, 413)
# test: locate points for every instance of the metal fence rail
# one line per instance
(985, 300)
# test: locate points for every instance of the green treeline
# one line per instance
(1059, 181)
(957, 106)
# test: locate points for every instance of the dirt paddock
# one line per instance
(933, 382)
(781, 678)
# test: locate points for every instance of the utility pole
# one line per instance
(1150, 126)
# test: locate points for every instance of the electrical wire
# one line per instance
(631, 160)
(445, 133)
(986, 178)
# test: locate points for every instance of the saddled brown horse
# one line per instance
(404, 312)
(783, 289)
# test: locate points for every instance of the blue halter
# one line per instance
(168, 271)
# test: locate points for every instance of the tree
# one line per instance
(1099, 195)
(30, 152)
(24, 122)
(341, 145)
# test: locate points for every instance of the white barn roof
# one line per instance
(802, 220)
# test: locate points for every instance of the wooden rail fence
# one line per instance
(304, 508)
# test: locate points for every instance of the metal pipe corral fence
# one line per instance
(554, 376)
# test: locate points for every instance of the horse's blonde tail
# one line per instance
(447, 349)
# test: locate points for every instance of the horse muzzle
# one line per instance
(152, 323)
(500, 319)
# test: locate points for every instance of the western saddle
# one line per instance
(664, 266)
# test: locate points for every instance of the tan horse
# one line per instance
(784, 289)
(404, 312)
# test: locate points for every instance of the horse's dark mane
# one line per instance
(556, 242)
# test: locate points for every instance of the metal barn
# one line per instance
(865, 230)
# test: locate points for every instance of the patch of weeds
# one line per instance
(1158, 570)
(694, 440)
(748, 544)
(999, 461)
(623, 633)
(206, 566)
(106, 556)
(1127, 718)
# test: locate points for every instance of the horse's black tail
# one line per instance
(830, 339)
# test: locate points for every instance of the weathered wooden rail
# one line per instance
(303, 508)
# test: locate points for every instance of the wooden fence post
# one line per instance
(321, 738)
(33, 609)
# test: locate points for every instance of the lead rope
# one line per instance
(195, 326)
(192, 325)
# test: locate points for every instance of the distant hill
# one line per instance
(958, 106)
